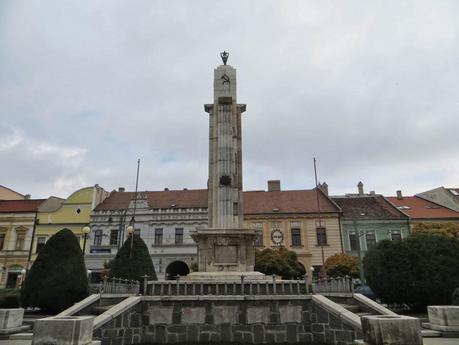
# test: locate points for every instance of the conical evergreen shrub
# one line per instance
(133, 266)
(58, 277)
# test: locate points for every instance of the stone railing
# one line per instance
(191, 288)
(120, 286)
(333, 285)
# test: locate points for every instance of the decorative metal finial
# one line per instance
(224, 57)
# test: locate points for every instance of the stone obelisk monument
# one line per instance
(225, 248)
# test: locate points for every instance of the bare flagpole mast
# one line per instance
(135, 205)
(320, 215)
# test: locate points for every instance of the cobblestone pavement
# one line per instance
(427, 341)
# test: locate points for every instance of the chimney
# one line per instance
(324, 187)
(372, 192)
(399, 195)
(274, 186)
(121, 189)
(360, 187)
(166, 189)
(27, 196)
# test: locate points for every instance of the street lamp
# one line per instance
(86, 230)
(358, 235)
(130, 230)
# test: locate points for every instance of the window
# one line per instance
(2, 241)
(40, 243)
(395, 236)
(371, 239)
(158, 237)
(20, 241)
(114, 237)
(98, 237)
(178, 236)
(353, 238)
(296, 237)
(259, 239)
(321, 234)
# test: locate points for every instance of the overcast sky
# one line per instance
(370, 88)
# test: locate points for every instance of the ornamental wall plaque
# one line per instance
(277, 236)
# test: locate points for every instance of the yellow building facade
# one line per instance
(72, 213)
(17, 221)
(291, 219)
(9, 194)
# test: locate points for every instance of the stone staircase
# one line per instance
(356, 309)
(93, 305)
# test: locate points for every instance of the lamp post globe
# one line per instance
(130, 229)
(86, 230)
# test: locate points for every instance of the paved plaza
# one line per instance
(427, 341)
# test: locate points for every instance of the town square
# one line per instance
(178, 173)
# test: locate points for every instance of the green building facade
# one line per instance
(368, 219)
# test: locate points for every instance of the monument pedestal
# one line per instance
(225, 255)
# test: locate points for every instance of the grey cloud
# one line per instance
(368, 88)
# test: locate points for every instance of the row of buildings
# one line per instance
(312, 223)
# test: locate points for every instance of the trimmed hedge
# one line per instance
(58, 277)
(281, 262)
(133, 266)
(10, 298)
(421, 270)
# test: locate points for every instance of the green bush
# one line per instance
(421, 270)
(340, 265)
(10, 298)
(133, 266)
(58, 277)
(281, 262)
(455, 299)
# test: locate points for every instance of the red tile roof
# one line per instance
(416, 207)
(256, 202)
(159, 199)
(289, 201)
(368, 207)
(181, 198)
(12, 206)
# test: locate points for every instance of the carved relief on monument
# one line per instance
(225, 254)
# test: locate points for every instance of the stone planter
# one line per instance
(63, 330)
(444, 318)
(11, 320)
(391, 330)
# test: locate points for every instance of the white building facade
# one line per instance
(163, 219)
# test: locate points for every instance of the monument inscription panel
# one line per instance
(225, 254)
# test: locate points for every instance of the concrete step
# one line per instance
(351, 307)
(428, 333)
(100, 309)
(363, 314)
(21, 336)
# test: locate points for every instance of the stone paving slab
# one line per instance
(29, 342)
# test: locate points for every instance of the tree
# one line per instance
(281, 262)
(133, 265)
(446, 229)
(421, 270)
(58, 277)
(340, 265)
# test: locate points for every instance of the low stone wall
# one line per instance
(228, 319)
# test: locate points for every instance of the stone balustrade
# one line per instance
(333, 285)
(242, 287)
(120, 286)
